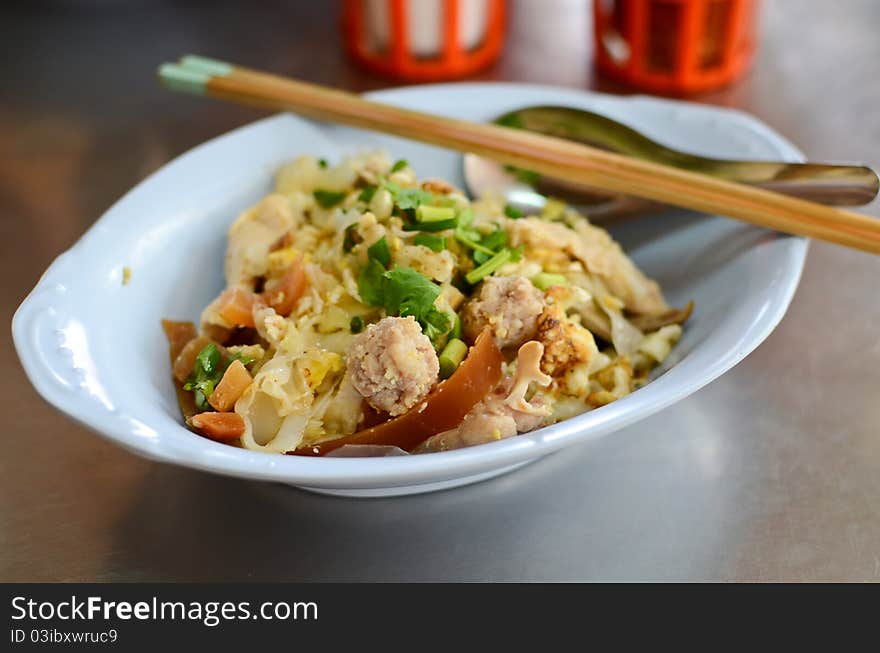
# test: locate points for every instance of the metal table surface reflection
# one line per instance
(770, 473)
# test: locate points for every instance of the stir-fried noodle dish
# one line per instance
(368, 312)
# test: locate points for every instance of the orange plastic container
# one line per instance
(404, 39)
(675, 46)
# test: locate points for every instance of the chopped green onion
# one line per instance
(426, 213)
(476, 275)
(209, 358)
(441, 225)
(512, 212)
(367, 194)
(379, 251)
(431, 241)
(465, 217)
(451, 356)
(466, 238)
(328, 198)
(357, 324)
(456, 328)
(544, 280)
(207, 372)
(400, 164)
(201, 392)
(494, 242)
(322, 163)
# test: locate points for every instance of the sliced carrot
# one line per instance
(235, 381)
(236, 305)
(443, 409)
(283, 293)
(223, 427)
(186, 359)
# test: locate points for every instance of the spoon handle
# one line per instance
(836, 185)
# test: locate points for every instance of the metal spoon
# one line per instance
(838, 185)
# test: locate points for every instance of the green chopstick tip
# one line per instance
(192, 73)
(210, 67)
(178, 78)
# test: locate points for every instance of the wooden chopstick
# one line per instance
(544, 154)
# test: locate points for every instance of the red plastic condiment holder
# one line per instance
(396, 59)
(675, 46)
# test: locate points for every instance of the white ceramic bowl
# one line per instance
(93, 347)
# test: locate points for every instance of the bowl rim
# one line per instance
(207, 455)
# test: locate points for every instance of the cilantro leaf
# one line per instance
(379, 251)
(328, 198)
(371, 283)
(409, 293)
(403, 292)
(436, 323)
(407, 198)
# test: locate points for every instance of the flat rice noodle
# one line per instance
(596, 321)
(442, 410)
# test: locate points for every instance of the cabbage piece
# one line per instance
(624, 336)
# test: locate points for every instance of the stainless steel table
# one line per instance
(770, 473)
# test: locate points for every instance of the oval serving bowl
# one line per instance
(93, 347)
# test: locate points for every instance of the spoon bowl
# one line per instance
(830, 184)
